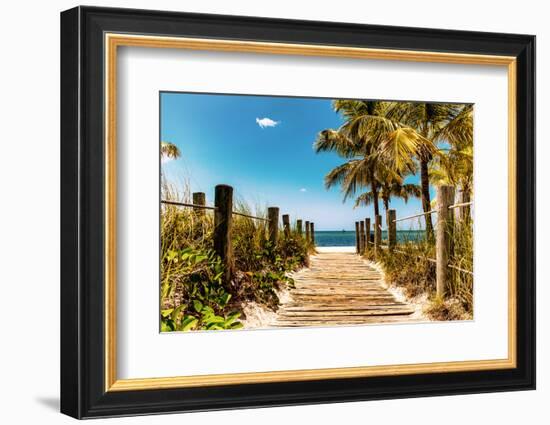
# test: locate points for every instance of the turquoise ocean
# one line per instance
(347, 237)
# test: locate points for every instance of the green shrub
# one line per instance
(193, 296)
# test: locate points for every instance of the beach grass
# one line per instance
(193, 294)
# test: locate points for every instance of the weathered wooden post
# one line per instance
(367, 234)
(223, 220)
(286, 225)
(377, 233)
(273, 225)
(357, 236)
(312, 232)
(199, 198)
(361, 237)
(307, 232)
(299, 227)
(444, 237)
(392, 229)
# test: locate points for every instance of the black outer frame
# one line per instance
(82, 207)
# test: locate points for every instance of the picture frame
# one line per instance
(90, 39)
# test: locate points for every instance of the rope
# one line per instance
(184, 204)
(206, 207)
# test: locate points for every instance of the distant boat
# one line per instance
(343, 231)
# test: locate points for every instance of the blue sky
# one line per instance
(263, 147)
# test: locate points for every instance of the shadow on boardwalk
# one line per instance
(340, 288)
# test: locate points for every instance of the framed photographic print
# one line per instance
(261, 212)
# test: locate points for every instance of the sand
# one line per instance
(335, 249)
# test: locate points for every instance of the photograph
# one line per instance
(286, 212)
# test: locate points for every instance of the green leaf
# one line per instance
(225, 299)
(188, 323)
(167, 312)
(198, 306)
(207, 310)
(177, 312)
(236, 325)
(215, 319)
(200, 258)
(231, 318)
(213, 327)
(167, 326)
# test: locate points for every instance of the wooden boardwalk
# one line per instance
(340, 288)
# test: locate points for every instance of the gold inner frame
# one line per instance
(113, 41)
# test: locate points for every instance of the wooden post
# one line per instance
(307, 232)
(286, 225)
(273, 224)
(392, 229)
(312, 232)
(444, 237)
(361, 237)
(199, 198)
(377, 233)
(299, 227)
(367, 234)
(223, 220)
(357, 236)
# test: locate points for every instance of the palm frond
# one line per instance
(333, 141)
(401, 146)
(365, 199)
(169, 150)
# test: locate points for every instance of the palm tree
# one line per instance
(387, 190)
(357, 140)
(456, 166)
(169, 150)
(424, 125)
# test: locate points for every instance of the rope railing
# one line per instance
(433, 260)
(415, 216)
(444, 256)
(222, 228)
(206, 207)
(462, 204)
(250, 216)
(185, 204)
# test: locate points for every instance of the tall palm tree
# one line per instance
(425, 125)
(357, 140)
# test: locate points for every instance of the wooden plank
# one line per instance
(339, 289)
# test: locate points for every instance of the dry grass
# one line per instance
(190, 270)
(409, 268)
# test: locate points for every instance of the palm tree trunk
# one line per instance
(426, 204)
(387, 208)
(375, 200)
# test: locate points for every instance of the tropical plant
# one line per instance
(193, 296)
(424, 125)
(169, 150)
(358, 140)
(387, 190)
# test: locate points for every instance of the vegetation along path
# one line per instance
(340, 288)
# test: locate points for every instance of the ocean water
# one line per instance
(347, 238)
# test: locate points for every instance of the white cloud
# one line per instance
(266, 122)
(303, 189)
